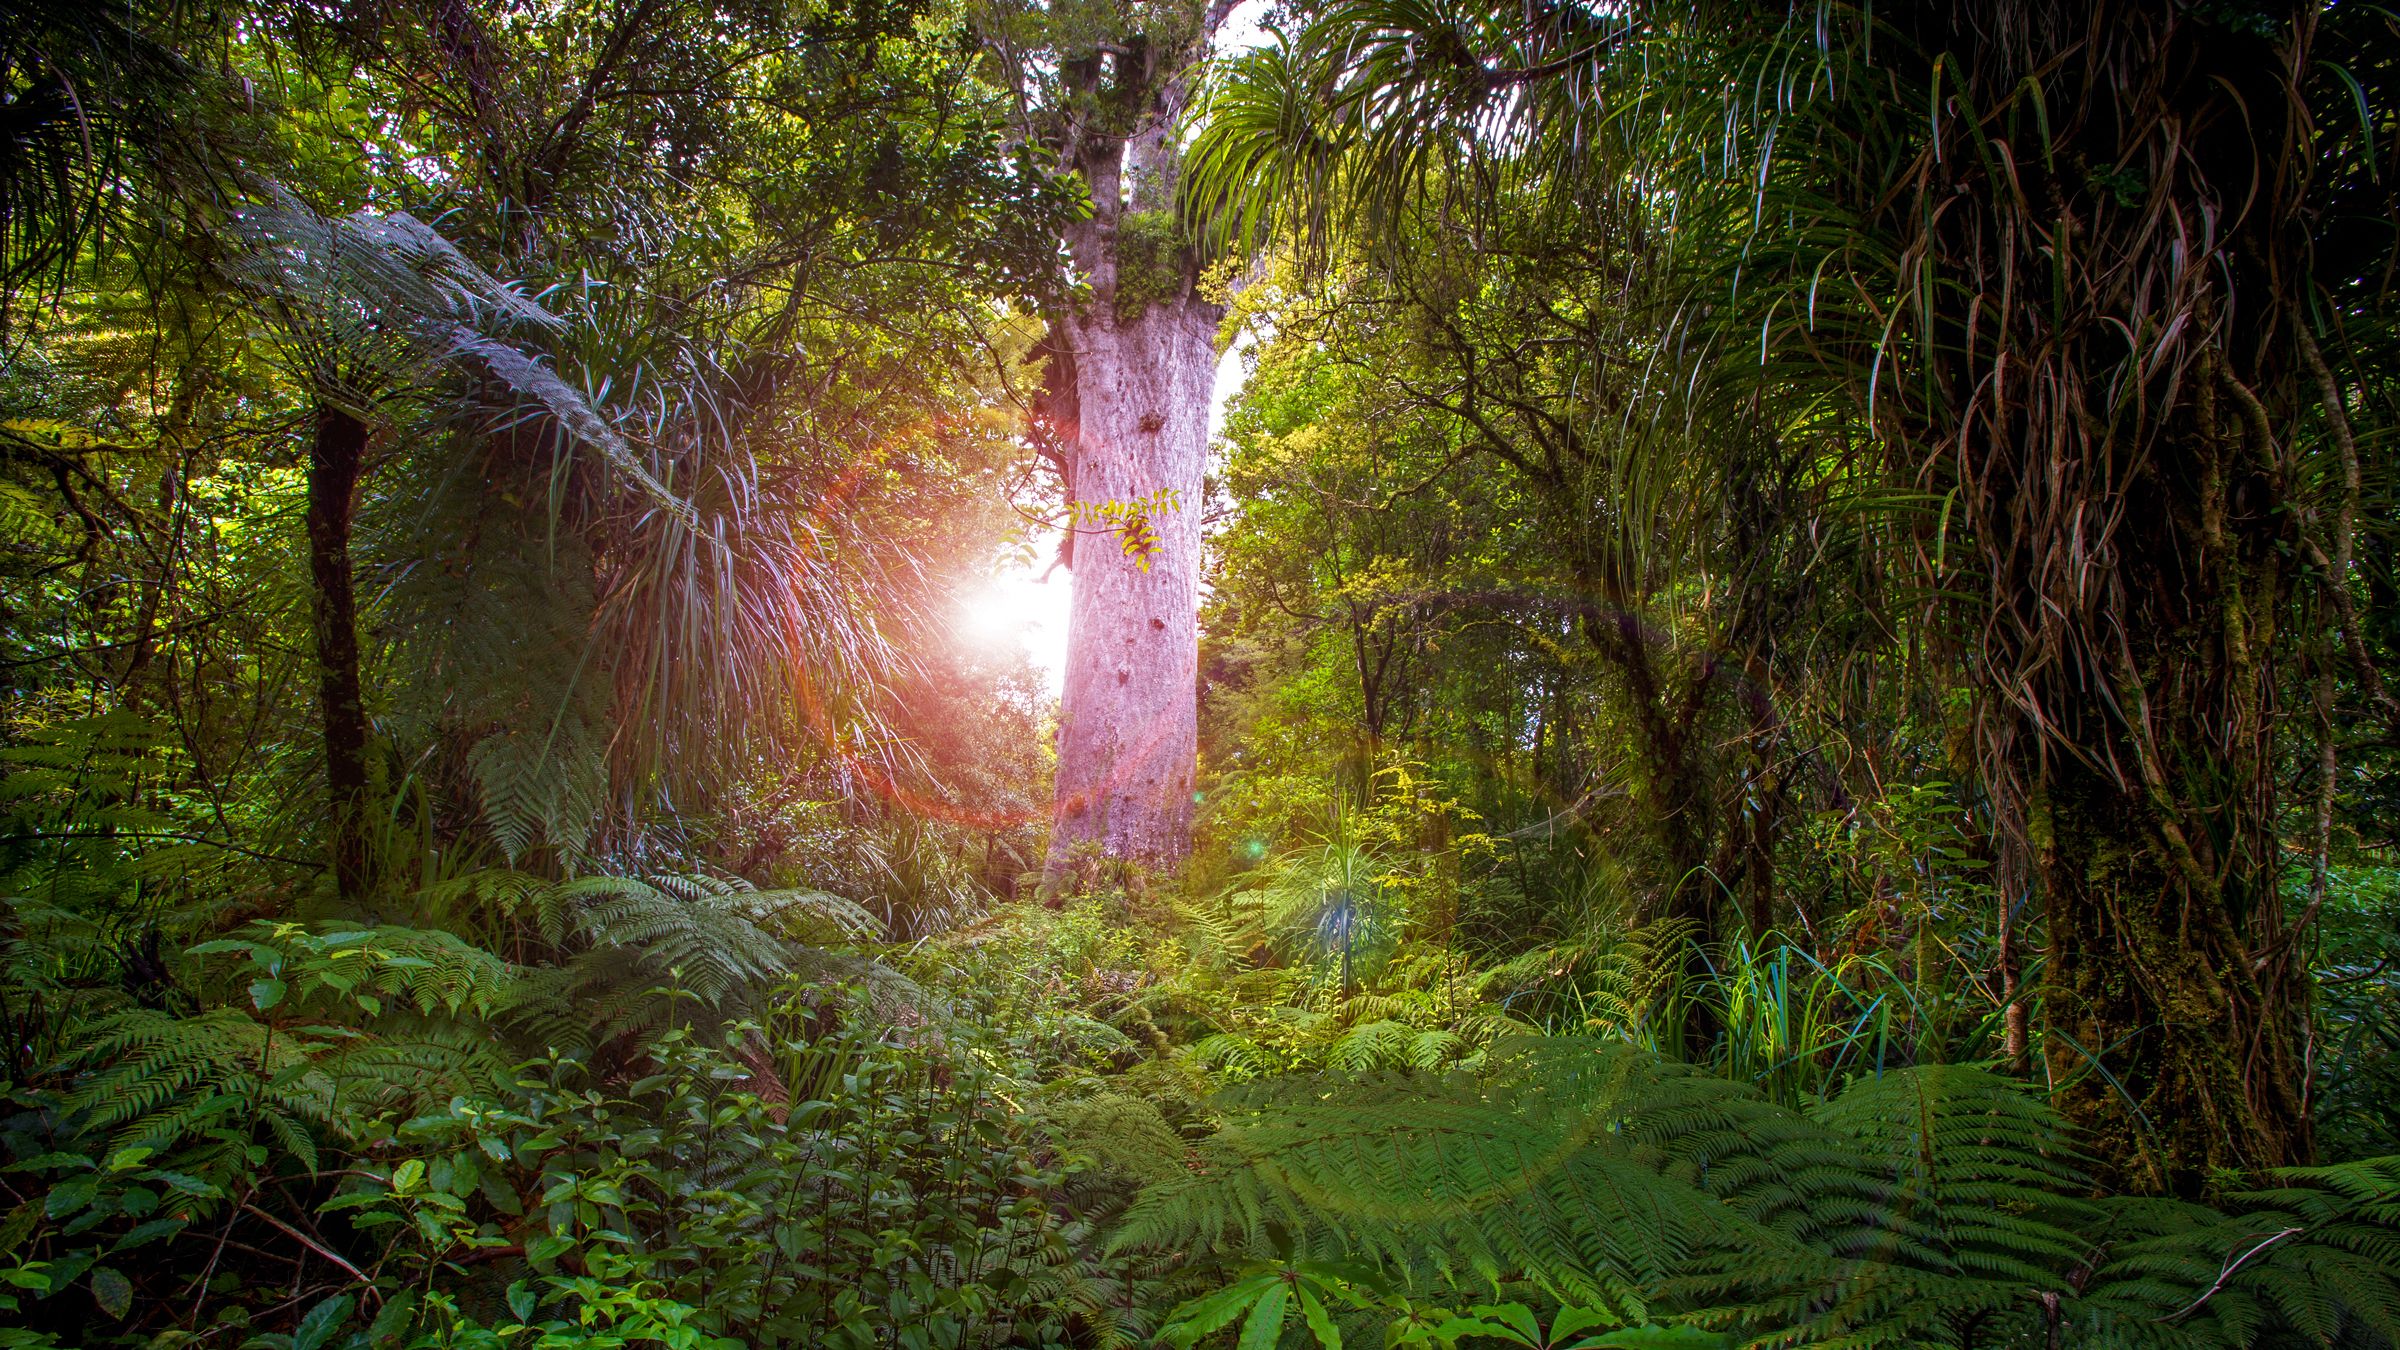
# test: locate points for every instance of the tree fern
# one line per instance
(150, 1079)
(2312, 1252)
(618, 943)
(1942, 1199)
(1119, 1132)
(1610, 975)
(342, 1024)
(331, 1024)
(370, 304)
(1972, 1171)
(503, 633)
(1931, 1205)
(1444, 1179)
(540, 784)
(97, 872)
(1394, 1045)
(1233, 1054)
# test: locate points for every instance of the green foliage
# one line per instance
(1914, 1203)
(1420, 1172)
(88, 857)
(370, 305)
(1153, 261)
(850, 1166)
(1571, 1329)
(2359, 1002)
(364, 967)
(907, 1195)
(1616, 922)
(1261, 1301)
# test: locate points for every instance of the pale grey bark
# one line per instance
(1128, 731)
(1131, 414)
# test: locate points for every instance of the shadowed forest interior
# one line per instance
(1582, 674)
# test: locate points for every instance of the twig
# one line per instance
(175, 835)
(2381, 965)
(306, 1241)
(2226, 1274)
(224, 1235)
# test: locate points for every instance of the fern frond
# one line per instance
(1119, 1132)
(2307, 1252)
(151, 1078)
(1911, 1208)
(1460, 1178)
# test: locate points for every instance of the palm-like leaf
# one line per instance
(371, 305)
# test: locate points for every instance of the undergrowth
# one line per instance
(1308, 1109)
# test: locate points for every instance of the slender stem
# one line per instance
(334, 463)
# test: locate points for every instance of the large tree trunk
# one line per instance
(1128, 729)
(2132, 509)
(2171, 1050)
(2177, 1021)
(334, 462)
(1130, 376)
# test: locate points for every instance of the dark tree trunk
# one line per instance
(2176, 1024)
(1672, 801)
(1671, 798)
(2132, 511)
(334, 462)
(2175, 1059)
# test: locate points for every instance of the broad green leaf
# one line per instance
(1572, 1321)
(144, 1234)
(321, 1322)
(189, 1185)
(1510, 1321)
(34, 1275)
(1320, 1323)
(393, 1320)
(113, 1292)
(1265, 1323)
(1197, 1318)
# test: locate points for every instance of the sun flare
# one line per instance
(1018, 611)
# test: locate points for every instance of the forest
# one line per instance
(1727, 674)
